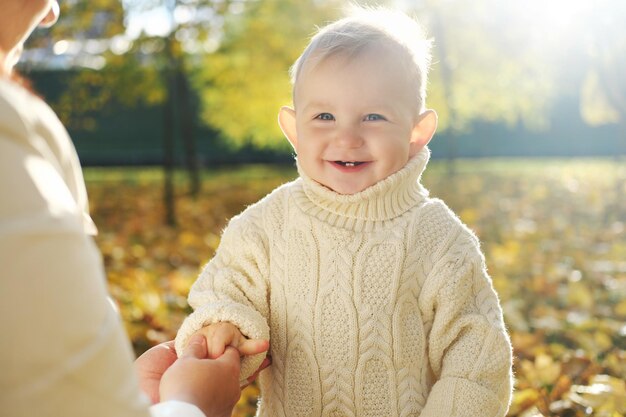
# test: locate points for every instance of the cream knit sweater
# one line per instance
(377, 303)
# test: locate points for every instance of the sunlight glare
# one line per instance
(156, 22)
(561, 16)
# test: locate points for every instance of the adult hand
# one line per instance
(150, 367)
(210, 384)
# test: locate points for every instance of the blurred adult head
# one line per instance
(18, 18)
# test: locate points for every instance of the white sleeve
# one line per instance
(64, 349)
(175, 409)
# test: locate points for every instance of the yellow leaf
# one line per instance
(620, 308)
(523, 400)
(579, 295)
(547, 370)
(603, 341)
(606, 395)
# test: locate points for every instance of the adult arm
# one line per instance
(63, 350)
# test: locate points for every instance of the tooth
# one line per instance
(349, 164)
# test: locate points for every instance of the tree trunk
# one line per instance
(168, 138)
(186, 113)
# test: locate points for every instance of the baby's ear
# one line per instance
(423, 131)
(287, 123)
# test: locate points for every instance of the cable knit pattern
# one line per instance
(377, 303)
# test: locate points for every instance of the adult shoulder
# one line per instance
(39, 166)
(22, 114)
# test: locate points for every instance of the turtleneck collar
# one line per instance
(381, 202)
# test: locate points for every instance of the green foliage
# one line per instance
(513, 61)
(553, 233)
(119, 79)
(121, 82)
(245, 82)
(94, 19)
(484, 68)
(135, 75)
(498, 61)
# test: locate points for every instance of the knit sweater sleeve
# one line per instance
(233, 288)
(468, 347)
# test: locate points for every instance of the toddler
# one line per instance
(374, 297)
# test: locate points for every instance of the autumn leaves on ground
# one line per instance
(553, 232)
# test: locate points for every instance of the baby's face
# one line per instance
(354, 120)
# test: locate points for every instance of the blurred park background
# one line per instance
(172, 106)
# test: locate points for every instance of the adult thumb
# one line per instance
(196, 348)
(231, 356)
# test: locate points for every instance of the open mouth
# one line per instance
(348, 164)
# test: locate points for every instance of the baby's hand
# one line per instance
(220, 335)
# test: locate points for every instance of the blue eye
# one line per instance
(325, 116)
(374, 117)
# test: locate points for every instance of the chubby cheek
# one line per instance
(310, 150)
(398, 166)
(396, 159)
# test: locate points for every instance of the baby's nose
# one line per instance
(349, 137)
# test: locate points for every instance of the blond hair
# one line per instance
(365, 28)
